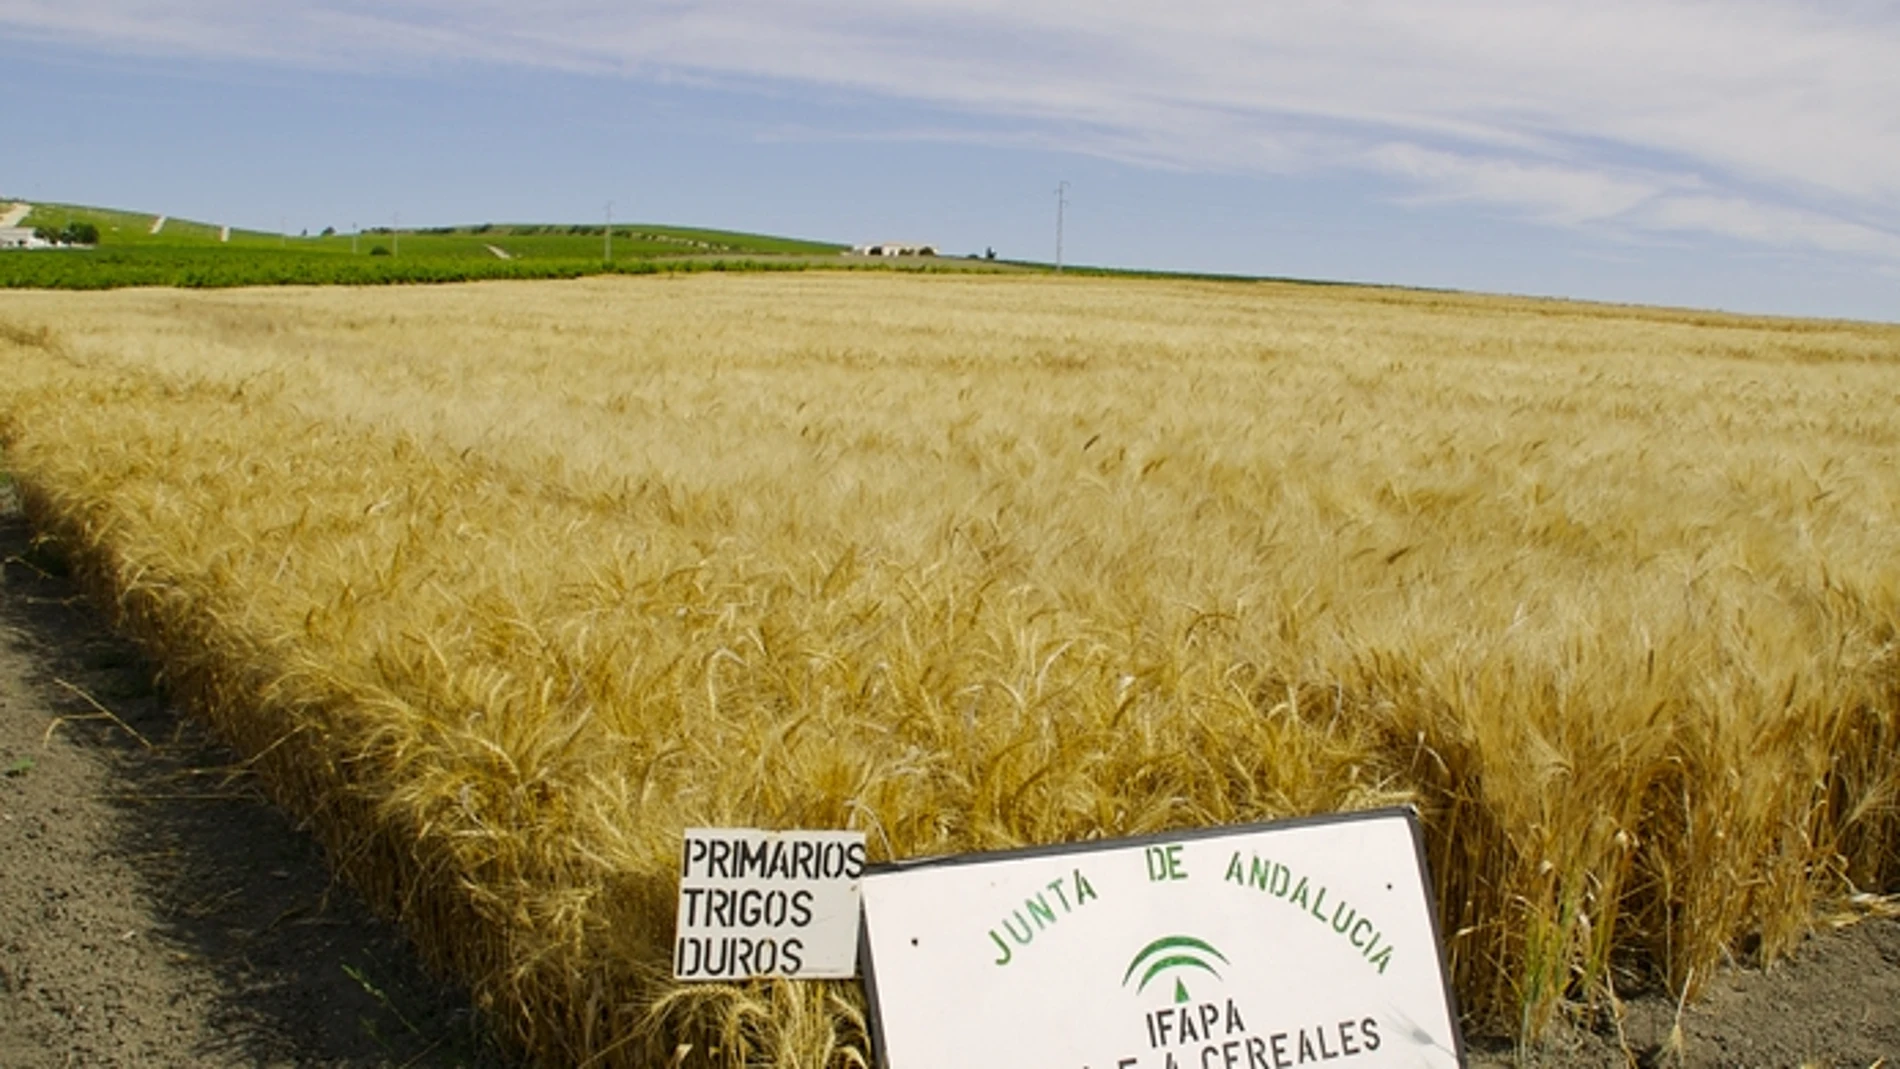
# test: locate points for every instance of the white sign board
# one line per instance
(760, 903)
(1269, 946)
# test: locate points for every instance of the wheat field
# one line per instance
(500, 586)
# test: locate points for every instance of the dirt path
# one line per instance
(156, 911)
(1836, 1003)
(14, 213)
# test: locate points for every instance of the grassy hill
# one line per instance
(184, 252)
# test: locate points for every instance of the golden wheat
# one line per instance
(503, 585)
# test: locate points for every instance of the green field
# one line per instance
(193, 254)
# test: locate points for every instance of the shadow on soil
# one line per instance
(273, 963)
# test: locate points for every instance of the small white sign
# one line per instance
(761, 903)
(1271, 946)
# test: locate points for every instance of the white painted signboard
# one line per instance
(759, 903)
(1269, 946)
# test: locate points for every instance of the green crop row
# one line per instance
(196, 268)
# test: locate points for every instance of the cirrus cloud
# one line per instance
(1770, 122)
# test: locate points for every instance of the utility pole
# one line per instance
(283, 230)
(1062, 202)
(395, 234)
(354, 230)
(608, 255)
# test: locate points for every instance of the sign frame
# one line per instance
(867, 965)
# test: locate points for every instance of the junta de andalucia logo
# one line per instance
(1173, 954)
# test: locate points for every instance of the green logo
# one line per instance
(1173, 952)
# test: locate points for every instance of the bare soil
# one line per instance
(155, 910)
(1835, 1002)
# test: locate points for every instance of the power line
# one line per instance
(1062, 202)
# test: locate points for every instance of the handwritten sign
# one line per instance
(759, 903)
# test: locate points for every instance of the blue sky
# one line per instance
(1742, 154)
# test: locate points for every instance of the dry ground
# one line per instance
(154, 911)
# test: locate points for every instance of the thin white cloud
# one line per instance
(1556, 193)
(1766, 121)
(1769, 224)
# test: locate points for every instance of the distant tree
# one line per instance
(989, 254)
(70, 234)
(378, 250)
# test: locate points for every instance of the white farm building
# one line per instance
(20, 237)
(894, 248)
